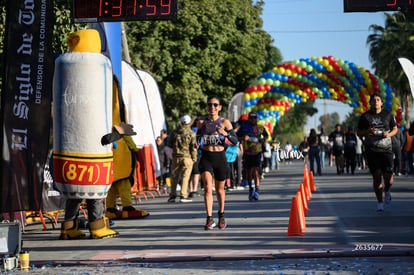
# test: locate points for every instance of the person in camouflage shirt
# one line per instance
(183, 142)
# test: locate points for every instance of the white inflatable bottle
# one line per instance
(82, 114)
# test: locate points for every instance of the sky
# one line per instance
(316, 28)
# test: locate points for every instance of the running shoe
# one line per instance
(251, 194)
(171, 200)
(210, 224)
(184, 200)
(256, 195)
(222, 222)
(380, 207)
(387, 197)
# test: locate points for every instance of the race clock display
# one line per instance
(123, 10)
(377, 5)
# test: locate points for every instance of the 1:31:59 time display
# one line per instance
(123, 10)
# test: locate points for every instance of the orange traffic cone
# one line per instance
(312, 182)
(305, 173)
(304, 199)
(294, 228)
(306, 181)
(299, 201)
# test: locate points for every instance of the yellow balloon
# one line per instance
(246, 97)
(253, 95)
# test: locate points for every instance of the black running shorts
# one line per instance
(380, 160)
(215, 163)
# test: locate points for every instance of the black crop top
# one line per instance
(209, 134)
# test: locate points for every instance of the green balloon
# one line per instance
(269, 81)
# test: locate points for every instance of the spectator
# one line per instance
(288, 151)
(235, 165)
(350, 150)
(195, 171)
(275, 155)
(314, 152)
(164, 164)
(407, 152)
(397, 146)
(182, 141)
(360, 161)
(337, 138)
(324, 147)
(304, 148)
(267, 157)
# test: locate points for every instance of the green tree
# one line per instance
(387, 44)
(290, 127)
(63, 25)
(351, 120)
(328, 122)
(214, 47)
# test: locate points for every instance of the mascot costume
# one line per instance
(124, 167)
(82, 115)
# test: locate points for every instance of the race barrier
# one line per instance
(145, 177)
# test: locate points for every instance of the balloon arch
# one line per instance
(273, 93)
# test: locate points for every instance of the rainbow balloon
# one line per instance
(273, 93)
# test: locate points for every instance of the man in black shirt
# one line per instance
(337, 137)
(377, 126)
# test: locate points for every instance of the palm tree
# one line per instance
(387, 44)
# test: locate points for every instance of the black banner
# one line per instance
(26, 103)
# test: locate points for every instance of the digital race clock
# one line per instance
(123, 10)
(377, 5)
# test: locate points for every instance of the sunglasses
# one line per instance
(213, 104)
(253, 117)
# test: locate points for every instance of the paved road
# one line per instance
(342, 224)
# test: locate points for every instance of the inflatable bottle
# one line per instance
(82, 114)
